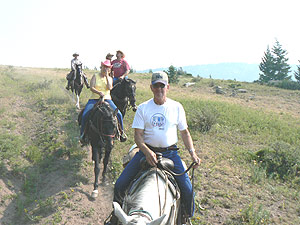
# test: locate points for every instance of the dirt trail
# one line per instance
(84, 209)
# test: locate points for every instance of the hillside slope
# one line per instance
(46, 177)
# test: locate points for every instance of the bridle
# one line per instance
(129, 96)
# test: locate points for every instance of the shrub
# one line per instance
(280, 161)
(197, 79)
(203, 119)
(286, 84)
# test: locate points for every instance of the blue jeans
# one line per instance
(134, 167)
(89, 106)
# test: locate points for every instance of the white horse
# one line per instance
(153, 199)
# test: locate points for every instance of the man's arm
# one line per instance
(127, 70)
(139, 140)
(188, 143)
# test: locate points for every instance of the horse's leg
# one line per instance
(78, 92)
(77, 104)
(108, 148)
(96, 159)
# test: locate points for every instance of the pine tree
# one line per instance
(281, 67)
(267, 67)
(172, 74)
(274, 64)
(297, 73)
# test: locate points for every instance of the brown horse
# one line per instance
(101, 130)
(123, 95)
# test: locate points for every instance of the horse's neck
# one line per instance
(119, 90)
(151, 195)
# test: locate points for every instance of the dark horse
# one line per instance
(75, 81)
(123, 95)
(153, 198)
(101, 130)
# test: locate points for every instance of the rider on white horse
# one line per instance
(156, 122)
(74, 63)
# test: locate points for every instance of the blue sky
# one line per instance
(152, 34)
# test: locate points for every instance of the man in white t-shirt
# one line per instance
(156, 122)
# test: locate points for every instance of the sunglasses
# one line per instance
(159, 85)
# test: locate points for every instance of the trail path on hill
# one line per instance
(70, 203)
(85, 209)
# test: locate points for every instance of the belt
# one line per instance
(158, 149)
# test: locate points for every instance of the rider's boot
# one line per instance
(113, 220)
(123, 137)
(68, 85)
(86, 81)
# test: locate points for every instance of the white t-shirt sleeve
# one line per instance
(138, 121)
(182, 124)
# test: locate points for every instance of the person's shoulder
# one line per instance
(146, 103)
(171, 102)
(124, 61)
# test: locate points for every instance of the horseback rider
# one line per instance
(101, 84)
(75, 63)
(120, 67)
(156, 122)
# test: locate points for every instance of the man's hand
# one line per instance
(139, 140)
(195, 159)
(150, 157)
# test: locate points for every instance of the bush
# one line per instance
(197, 79)
(280, 161)
(286, 84)
(203, 119)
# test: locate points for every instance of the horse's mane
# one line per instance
(104, 109)
(147, 178)
(133, 198)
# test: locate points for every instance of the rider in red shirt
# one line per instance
(120, 67)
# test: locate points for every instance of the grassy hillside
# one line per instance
(249, 145)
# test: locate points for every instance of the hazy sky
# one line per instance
(152, 33)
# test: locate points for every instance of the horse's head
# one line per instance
(106, 120)
(78, 78)
(130, 88)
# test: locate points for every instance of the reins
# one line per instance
(161, 166)
(125, 98)
(100, 120)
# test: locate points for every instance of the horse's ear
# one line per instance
(158, 221)
(120, 213)
(116, 112)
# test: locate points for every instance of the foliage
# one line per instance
(197, 79)
(253, 215)
(279, 160)
(297, 74)
(202, 119)
(285, 84)
(282, 68)
(266, 67)
(172, 74)
(274, 64)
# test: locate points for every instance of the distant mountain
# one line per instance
(226, 71)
